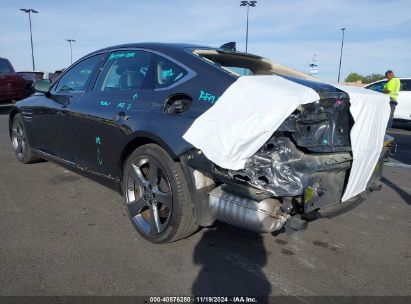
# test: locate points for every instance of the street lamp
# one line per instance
(71, 49)
(248, 4)
(342, 44)
(29, 11)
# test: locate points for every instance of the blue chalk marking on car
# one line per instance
(105, 103)
(99, 158)
(134, 97)
(128, 55)
(121, 105)
(121, 55)
(129, 106)
(207, 97)
(167, 73)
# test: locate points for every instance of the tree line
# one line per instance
(354, 77)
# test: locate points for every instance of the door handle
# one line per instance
(121, 116)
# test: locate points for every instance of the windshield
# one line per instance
(4, 67)
(241, 64)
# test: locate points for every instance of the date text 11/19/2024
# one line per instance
(205, 299)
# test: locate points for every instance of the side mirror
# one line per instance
(42, 86)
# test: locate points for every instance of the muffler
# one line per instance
(245, 212)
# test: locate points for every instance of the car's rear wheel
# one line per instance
(19, 141)
(157, 196)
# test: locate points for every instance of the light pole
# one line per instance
(71, 50)
(342, 45)
(248, 4)
(29, 11)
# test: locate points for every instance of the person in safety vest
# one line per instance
(392, 88)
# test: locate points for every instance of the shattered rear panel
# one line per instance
(283, 170)
(324, 126)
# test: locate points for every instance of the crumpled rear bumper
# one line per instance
(374, 184)
(304, 184)
(311, 180)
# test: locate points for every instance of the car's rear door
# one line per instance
(106, 115)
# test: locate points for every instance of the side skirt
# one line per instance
(108, 181)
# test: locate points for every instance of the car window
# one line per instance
(378, 87)
(4, 67)
(405, 85)
(125, 71)
(76, 79)
(167, 72)
(239, 71)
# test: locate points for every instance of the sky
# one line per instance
(377, 36)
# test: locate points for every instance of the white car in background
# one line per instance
(403, 109)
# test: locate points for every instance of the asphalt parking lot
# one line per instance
(62, 234)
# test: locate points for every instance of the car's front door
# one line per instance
(51, 113)
(106, 115)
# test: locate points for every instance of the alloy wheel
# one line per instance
(148, 196)
(18, 139)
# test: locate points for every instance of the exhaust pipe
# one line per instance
(258, 216)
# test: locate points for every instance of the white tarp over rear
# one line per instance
(245, 117)
(370, 111)
(253, 108)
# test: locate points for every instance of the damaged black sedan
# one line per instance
(118, 115)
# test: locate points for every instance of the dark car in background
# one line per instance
(14, 86)
(118, 115)
(33, 76)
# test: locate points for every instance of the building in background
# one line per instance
(313, 71)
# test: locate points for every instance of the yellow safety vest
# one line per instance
(394, 87)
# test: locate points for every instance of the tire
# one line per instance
(154, 187)
(19, 141)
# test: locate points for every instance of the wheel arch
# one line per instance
(199, 197)
(13, 112)
(139, 139)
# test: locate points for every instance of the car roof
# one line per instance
(159, 46)
(169, 47)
